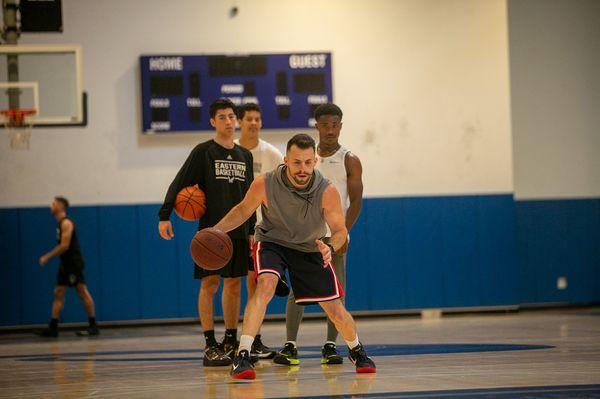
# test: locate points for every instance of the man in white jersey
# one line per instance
(266, 158)
(344, 170)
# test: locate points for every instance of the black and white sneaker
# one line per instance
(229, 348)
(242, 368)
(330, 354)
(214, 357)
(91, 331)
(288, 355)
(363, 363)
(260, 350)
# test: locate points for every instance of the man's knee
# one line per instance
(265, 287)
(59, 292)
(210, 285)
(232, 286)
(337, 312)
(81, 290)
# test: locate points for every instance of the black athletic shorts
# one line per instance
(70, 276)
(237, 266)
(310, 280)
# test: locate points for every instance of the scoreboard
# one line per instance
(177, 90)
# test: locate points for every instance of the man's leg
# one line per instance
(293, 318)
(288, 355)
(88, 304)
(329, 351)
(254, 315)
(57, 306)
(59, 301)
(86, 298)
(230, 300)
(258, 348)
(256, 307)
(347, 328)
(209, 286)
(339, 265)
(213, 355)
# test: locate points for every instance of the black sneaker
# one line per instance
(242, 368)
(330, 354)
(260, 350)
(48, 332)
(229, 348)
(214, 356)
(363, 363)
(287, 356)
(91, 331)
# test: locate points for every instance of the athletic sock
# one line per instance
(353, 344)
(230, 335)
(246, 343)
(92, 321)
(209, 336)
(53, 324)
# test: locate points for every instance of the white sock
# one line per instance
(329, 342)
(291, 342)
(353, 344)
(246, 343)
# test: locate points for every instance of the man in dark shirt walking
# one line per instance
(70, 271)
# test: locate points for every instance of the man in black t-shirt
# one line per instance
(223, 170)
(70, 271)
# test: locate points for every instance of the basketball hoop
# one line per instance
(18, 123)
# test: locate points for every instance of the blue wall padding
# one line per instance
(405, 253)
(559, 238)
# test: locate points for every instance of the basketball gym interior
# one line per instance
(473, 269)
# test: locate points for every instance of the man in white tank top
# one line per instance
(266, 158)
(344, 170)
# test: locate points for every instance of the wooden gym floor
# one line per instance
(534, 354)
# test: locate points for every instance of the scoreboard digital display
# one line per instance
(178, 89)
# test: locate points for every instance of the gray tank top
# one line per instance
(294, 218)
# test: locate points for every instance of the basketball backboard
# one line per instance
(45, 78)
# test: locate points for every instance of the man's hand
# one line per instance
(43, 260)
(165, 229)
(325, 251)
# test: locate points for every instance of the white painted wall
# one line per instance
(423, 84)
(555, 84)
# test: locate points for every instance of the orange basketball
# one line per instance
(190, 203)
(211, 249)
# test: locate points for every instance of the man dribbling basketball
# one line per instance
(296, 202)
(344, 170)
(223, 170)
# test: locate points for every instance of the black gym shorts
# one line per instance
(70, 276)
(310, 280)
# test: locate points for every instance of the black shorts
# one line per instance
(310, 280)
(237, 266)
(70, 276)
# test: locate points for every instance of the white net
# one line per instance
(19, 136)
(18, 124)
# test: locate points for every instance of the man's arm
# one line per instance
(188, 175)
(355, 188)
(66, 228)
(244, 210)
(334, 216)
